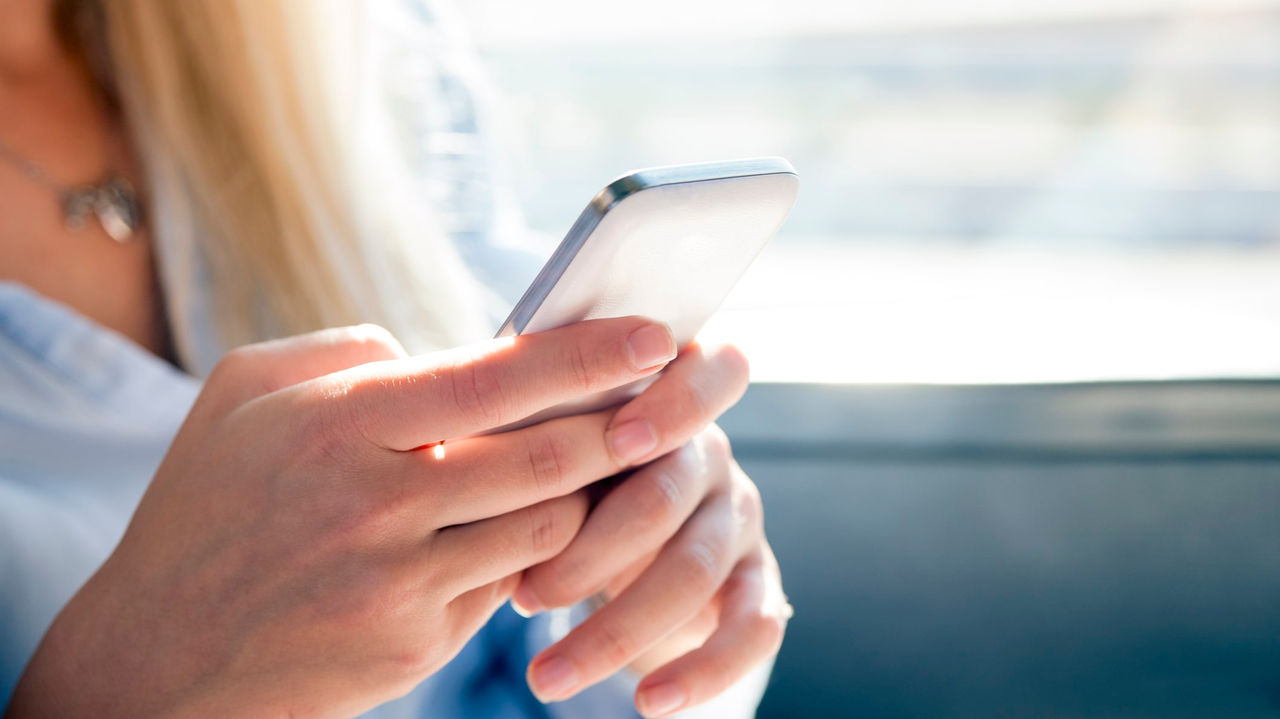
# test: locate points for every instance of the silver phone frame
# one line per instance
(614, 193)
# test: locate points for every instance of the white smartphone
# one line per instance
(667, 243)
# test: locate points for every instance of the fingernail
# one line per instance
(553, 679)
(632, 440)
(661, 699)
(524, 602)
(651, 345)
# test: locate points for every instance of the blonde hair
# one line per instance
(258, 119)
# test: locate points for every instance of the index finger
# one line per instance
(408, 403)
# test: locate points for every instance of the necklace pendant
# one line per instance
(113, 202)
(117, 209)
(112, 220)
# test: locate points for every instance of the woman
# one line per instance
(303, 541)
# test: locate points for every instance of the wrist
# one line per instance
(56, 681)
(90, 663)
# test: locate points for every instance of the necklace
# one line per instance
(113, 201)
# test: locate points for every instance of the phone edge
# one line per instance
(616, 191)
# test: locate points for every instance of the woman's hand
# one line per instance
(679, 545)
(307, 548)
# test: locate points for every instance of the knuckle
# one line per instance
(659, 503)
(546, 529)
(243, 374)
(234, 368)
(616, 645)
(368, 343)
(580, 363)
(769, 630)
(477, 394)
(749, 505)
(735, 364)
(699, 567)
(549, 458)
(716, 443)
(413, 662)
(237, 359)
(373, 336)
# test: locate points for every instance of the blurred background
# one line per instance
(1015, 414)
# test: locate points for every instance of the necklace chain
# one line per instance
(113, 200)
(31, 169)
